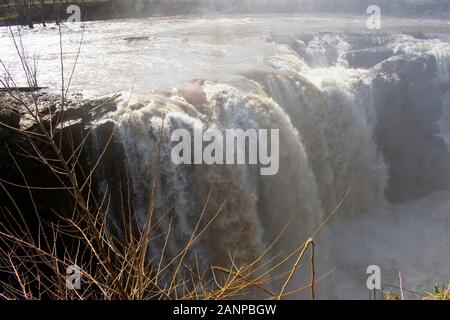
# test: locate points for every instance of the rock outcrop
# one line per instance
(409, 108)
(18, 133)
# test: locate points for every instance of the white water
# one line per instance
(249, 77)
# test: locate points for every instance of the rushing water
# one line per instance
(359, 109)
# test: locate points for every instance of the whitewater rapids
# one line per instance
(359, 110)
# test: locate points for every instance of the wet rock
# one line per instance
(9, 117)
(71, 127)
(367, 58)
(408, 107)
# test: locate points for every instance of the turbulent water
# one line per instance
(356, 109)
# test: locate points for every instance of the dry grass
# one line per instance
(439, 293)
(391, 295)
(397, 293)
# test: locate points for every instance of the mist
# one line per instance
(350, 6)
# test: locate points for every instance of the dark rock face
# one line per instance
(8, 117)
(9, 120)
(408, 109)
(367, 58)
(72, 127)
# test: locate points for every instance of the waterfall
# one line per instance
(254, 208)
(340, 127)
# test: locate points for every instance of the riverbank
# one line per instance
(50, 11)
(44, 11)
